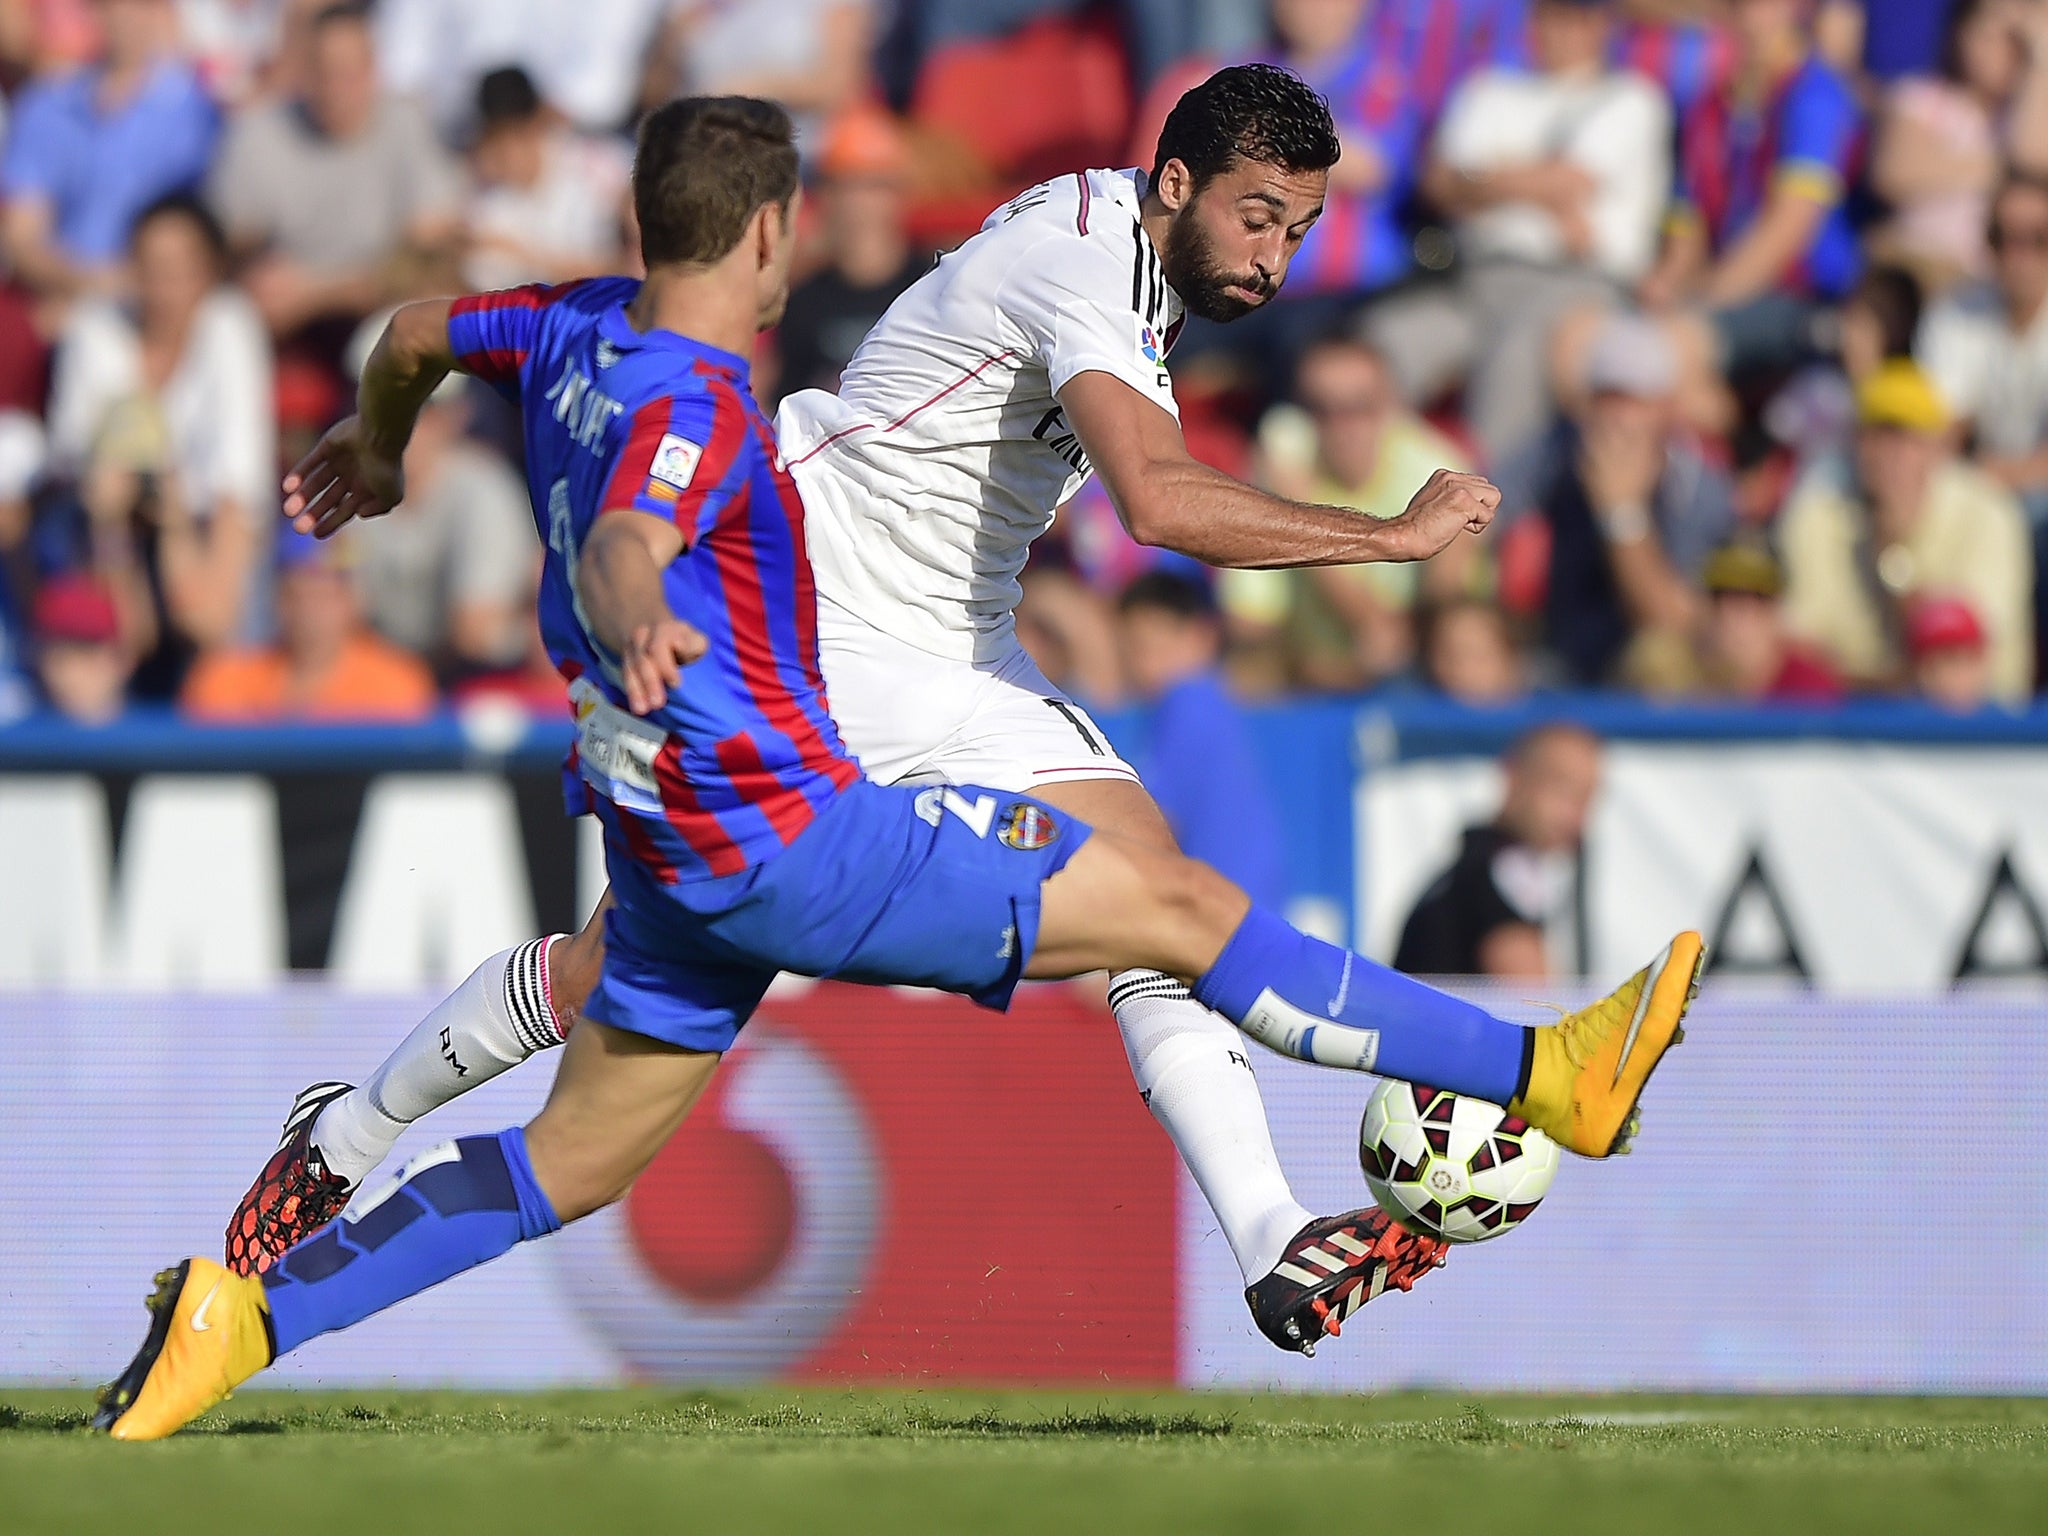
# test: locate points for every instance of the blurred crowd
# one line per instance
(1743, 303)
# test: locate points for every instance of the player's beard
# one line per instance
(1198, 275)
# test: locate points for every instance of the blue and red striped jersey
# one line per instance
(1361, 241)
(744, 753)
(1806, 133)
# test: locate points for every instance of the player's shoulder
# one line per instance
(1084, 210)
(1078, 234)
(585, 296)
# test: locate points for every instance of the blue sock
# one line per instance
(459, 1206)
(1319, 1003)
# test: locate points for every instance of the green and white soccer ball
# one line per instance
(1449, 1166)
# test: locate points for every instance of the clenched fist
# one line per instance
(1449, 504)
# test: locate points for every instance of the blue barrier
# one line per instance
(1313, 750)
(1359, 730)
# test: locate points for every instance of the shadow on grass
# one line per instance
(18, 1421)
(1101, 1424)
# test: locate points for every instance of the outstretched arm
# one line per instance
(618, 580)
(355, 469)
(1166, 497)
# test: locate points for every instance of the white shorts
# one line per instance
(915, 718)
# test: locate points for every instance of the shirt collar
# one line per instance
(615, 328)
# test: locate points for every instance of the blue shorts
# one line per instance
(928, 887)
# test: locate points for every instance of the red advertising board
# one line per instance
(900, 1185)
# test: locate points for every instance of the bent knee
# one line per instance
(1195, 898)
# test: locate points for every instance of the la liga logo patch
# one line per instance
(1026, 827)
(675, 461)
(1148, 343)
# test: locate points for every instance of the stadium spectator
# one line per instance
(1469, 653)
(91, 148)
(1880, 320)
(1511, 902)
(1346, 440)
(1437, 43)
(341, 199)
(1555, 177)
(1814, 415)
(1917, 520)
(1938, 148)
(809, 55)
(1194, 747)
(81, 663)
(1762, 238)
(585, 56)
(1986, 347)
(448, 573)
(863, 196)
(1633, 506)
(160, 413)
(326, 664)
(548, 203)
(1746, 654)
(1951, 662)
(1360, 244)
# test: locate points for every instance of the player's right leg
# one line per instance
(1117, 904)
(515, 1005)
(622, 1090)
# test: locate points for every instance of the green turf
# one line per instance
(987, 1464)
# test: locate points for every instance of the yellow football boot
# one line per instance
(1589, 1068)
(209, 1331)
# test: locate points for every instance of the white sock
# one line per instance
(1195, 1071)
(496, 1019)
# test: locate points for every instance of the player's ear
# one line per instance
(1176, 185)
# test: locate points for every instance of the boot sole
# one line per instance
(1632, 1122)
(118, 1395)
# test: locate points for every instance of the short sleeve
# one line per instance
(27, 165)
(492, 333)
(679, 458)
(1085, 308)
(1817, 137)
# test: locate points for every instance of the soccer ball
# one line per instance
(1452, 1167)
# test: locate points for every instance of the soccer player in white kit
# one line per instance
(982, 400)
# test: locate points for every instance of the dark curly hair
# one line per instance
(1256, 112)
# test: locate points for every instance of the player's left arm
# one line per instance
(1168, 498)
(618, 583)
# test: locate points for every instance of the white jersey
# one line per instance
(945, 452)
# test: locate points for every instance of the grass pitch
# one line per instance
(989, 1464)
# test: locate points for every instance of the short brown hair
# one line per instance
(704, 165)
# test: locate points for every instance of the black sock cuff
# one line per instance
(1528, 1066)
(526, 997)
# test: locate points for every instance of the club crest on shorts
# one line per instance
(1027, 827)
